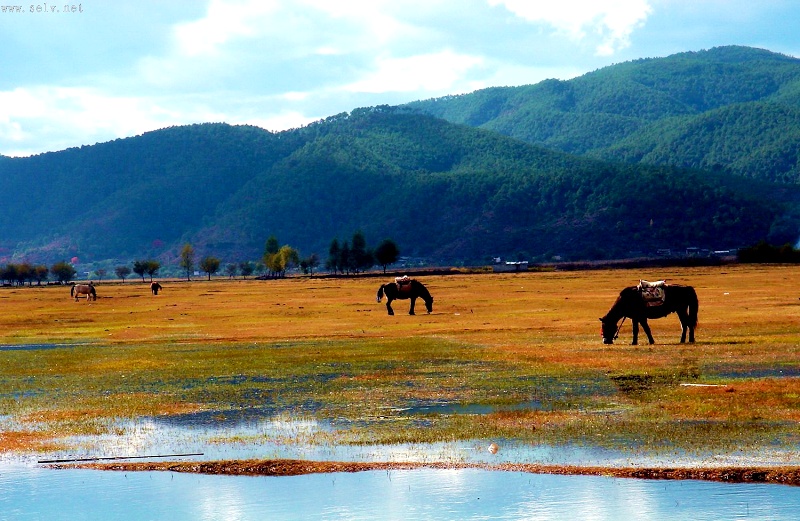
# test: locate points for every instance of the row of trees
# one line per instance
(349, 257)
(355, 257)
(24, 272)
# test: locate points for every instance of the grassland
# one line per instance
(523, 350)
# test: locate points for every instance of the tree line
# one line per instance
(348, 257)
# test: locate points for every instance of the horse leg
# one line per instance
(646, 328)
(684, 318)
(413, 301)
(389, 306)
(635, 329)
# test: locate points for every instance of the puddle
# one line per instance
(735, 371)
(36, 347)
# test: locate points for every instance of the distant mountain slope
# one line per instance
(729, 108)
(446, 192)
(128, 196)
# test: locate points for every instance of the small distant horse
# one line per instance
(400, 289)
(630, 303)
(83, 289)
(155, 287)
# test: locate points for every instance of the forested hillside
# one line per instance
(445, 192)
(730, 109)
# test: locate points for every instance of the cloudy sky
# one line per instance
(120, 68)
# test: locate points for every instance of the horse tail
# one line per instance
(694, 305)
(72, 291)
(380, 293)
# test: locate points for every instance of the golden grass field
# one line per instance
(525, 346)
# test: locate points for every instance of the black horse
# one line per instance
(412, 290)
(630, 303)
(155, 287)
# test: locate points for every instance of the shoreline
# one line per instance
(784, 475)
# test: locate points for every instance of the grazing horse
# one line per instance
(405, 289)
(631, 304)
(83, 289)
(154, 287)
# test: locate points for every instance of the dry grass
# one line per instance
(324, 347)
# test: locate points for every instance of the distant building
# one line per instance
(510, 267)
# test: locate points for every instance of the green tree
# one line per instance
(24, 273)
(285, 258)
(309, 263)
(40, 273)
(345, 261)
(140, 268)
(122, 272)
(209, 265)
(334, 256)
(187, 260)
(62, 271)
(387, 253)
(151, 267)
(100, 273)
(272, 247)
(231, 270)
(360, 258)
(246, 268)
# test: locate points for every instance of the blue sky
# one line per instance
(119, 68)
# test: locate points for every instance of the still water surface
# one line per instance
(31, 493)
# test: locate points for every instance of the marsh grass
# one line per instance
(523, 349)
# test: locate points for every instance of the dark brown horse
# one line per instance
(155, 287)
(630, 303)
(412, 289)
(83, 289)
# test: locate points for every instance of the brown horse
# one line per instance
(83, 289)
(630, 303)
(155, 287)
(412, 289)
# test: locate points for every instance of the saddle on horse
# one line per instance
(403, 284)
(652, 293)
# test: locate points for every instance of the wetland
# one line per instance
(313, 370)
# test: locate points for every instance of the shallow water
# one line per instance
(28, 493)
(292, 438)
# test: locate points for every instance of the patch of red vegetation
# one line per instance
(283, 467)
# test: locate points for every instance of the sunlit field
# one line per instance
(502, 356)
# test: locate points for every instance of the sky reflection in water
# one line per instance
(28, 493)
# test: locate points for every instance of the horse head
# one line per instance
(609, 330)
(429, 304)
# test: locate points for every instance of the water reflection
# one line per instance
(294, 438)
(28, 493)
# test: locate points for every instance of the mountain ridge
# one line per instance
(445, 191)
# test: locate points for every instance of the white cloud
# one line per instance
(72, 116)
(283, 121)
(430, 72)
(610, 22)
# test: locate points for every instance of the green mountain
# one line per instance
(446, 192)
(731, 109)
